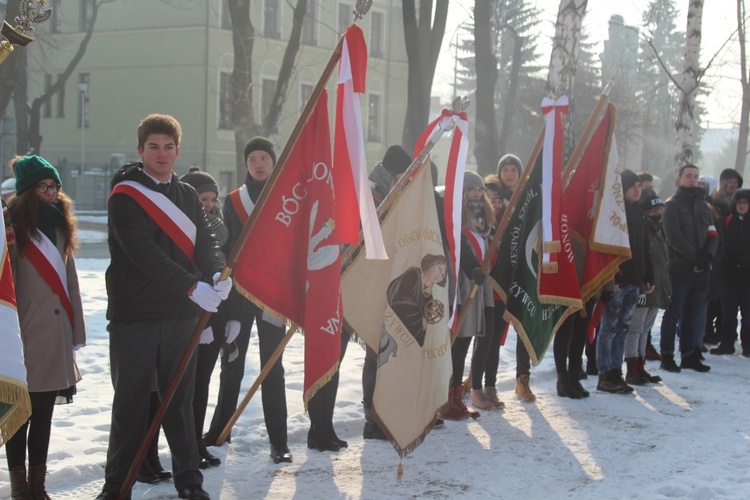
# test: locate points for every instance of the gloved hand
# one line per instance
(206, 297)
(702, 262)
(222, 287)
(641, 300)
(232, 330)
(207, 336)
(478, 276)
(606, 297)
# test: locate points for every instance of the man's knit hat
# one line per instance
(200, 180)
(510, 159)
(396, 160)
(260, 143)
(31, 169)
(730, 173)
(629, 178)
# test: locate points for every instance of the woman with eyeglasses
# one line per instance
(50, 312)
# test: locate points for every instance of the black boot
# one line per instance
(693, 362)
(565, 389)
(607, 383)
(207, 458)
(654, 379)
(577, 384)
(371, 430)
(634, 375)
(617, 377)
(668, 364)
(723, 348)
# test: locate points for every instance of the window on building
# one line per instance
(309, 24)
(225, 101)
(226, 18)
(86, 13)
(56, 20)
(83, 99)
(61, 99)
(267, 90)
(272, 18)
(47, 112)
(305, 91)
(374, 118)
(345, 16)
(377, 25)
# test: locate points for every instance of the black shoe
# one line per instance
(723, 349)
(208, 459)
(577, 384)
(439, 422)
(617, 378)
(280, 453)
(322, 444)
(372, 431)
(746, 353)
(193, 492)
(606, 384)
(668, 364)
(711, 338)
(693, 362)
(146, 473)
(565, 389)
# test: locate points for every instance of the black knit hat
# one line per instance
(510, 159)
(629, 178)
(396, 160)
(741, 194)
(730, 173)
(650, 199)
(260, 143)
(200, 180)
(31, 169)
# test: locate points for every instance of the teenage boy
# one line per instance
(164, 270)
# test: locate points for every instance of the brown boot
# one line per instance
(37, 477)
(478, 400)
(523, 391)
(19, 488)
(491, 394)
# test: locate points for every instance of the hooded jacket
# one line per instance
(149, 276)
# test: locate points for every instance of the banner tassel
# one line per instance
(400, 470)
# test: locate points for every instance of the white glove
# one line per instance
(206, 297)
(207, 336)
(232, 330)
(222, 287)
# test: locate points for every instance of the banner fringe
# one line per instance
(406, 450)
(606, 275)
(314, 388)
(16, 394)
(549, 267)
(552, 246)
(255, 300)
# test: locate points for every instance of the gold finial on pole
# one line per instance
(29, 14)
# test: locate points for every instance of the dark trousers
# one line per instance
(734, 290)
(136, 351)
(570, 340)
(273, 388)
(482, 346)
(523, 360)
(458, 357)
(688, 306)
(369, 373)
(207, 356)
(35, 433)
(321, 405)
(500, 327)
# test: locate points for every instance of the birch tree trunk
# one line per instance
(485, 148)
(562, 65)
(689, 86)
(739, 162)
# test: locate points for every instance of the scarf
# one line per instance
(254, 187)
(478, 222)
(50, 218)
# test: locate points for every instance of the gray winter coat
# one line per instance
(686, 222)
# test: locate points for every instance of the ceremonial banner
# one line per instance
(552, 210)
(15, 406)
(352, 186)
(454, 185)
(290, 264)
(516, 273)
(399, 309)
(596, 206)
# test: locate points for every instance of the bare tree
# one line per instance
(741, 158)
(485, 148)
(423, 38)
(244, 121)
(565, 48)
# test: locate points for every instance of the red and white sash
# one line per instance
(242, 203)
(478, 244)
(173, 221)
(46, 259)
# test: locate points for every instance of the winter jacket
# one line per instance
(474, 323)
(657, 250)
(149, 276)
(737, 249)
(637, 270)
(686, 222)
(48, 337)
(380, 183)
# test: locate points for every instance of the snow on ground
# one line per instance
(685, 438)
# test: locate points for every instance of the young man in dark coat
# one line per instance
(164, 270)
(692, 243)
(260, 158)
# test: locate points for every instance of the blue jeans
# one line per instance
(610, 346)
(688, 303)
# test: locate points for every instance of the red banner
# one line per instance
(290, 264)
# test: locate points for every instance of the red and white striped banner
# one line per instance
(552, 180)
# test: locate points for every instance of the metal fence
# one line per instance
(89, 188)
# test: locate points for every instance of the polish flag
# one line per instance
(351, 184)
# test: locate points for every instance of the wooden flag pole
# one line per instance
(497, 238)
(360, 10)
